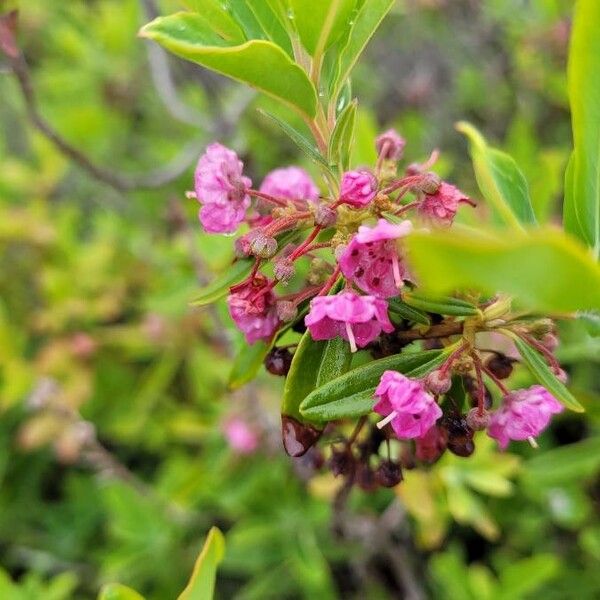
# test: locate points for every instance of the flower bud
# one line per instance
(325, 216)
(438, 382)
(549, 341)
(358, 188)
(500, 365)
(390, 145)
(286, 310)
(284, 270)
(561, 375)
(278, 361)
(242, 244)
(263, 246)
(388, 474)
(478, 421)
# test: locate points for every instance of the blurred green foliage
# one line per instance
(95, 327)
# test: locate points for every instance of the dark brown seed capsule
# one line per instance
(460, 435)
(500, 365)
(463, 449)
(366, 478)
(297, 438)
(388, 474)
(342, 462)
(431, 446)
(278, 361)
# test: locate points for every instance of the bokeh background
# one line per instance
(114, 400)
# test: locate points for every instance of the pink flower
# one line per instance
(253, 308)
(406, 405)
(523, 415)
(240, 436)
(358, 319)
(358, 188)
(390, 145)
(291, 183)
(222, 189)
(440, 207)
(371, 259)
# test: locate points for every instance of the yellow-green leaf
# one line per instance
(116, 591)
(544, 269)
(202, 582)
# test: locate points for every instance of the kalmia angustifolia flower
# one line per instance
(358, 188)
(252, 307)
(372, 260)
(292, 183)
(334, 265)
(358, 319)
(524, 414)
(222, 189)
(406, 405)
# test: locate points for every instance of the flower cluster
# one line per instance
(340, 252)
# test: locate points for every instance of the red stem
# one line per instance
(302, 248)
(330, 282)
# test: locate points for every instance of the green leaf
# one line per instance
(500, 180)
(219, 287)
(320, 22)
(247, 363)
(522, 578)
(351, 395)
(342, 137)
(544, 269)
(314, 364)
(116, 591)
(258, 63)
(403, 310)
(541, 371)
(271, 24)
(202, 582)
(441, 305)
(216, 19)
(366, 22)
(557, 467)
(300, 140)
(582, 201)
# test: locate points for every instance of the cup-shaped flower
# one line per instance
(372, 261)
(253, 308)
(222, 189)
(358, 319)
(358, 188)
(290, 183)
(440, 207)
(524, 414)
(406, 405)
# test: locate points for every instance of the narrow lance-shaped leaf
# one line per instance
(441, 305)
(366, 22)
(343, 137)
(247, 362)
(545, 270)
(202, 582)
(259, 63)
(351, 395)
(500, 181)
(314, 364)
(541, 371)
(582, 197)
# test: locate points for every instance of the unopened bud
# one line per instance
(561, 375)
(438, 382)
(263, 246)
(283, 270)
(478, 421)
(549, 341)
(325, 216)
(390, 145)
(286, 310)
(242, 245)
(541, 327)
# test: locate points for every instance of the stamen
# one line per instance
(396, 271)
(387, 420)
(351, 338)
(191, 195)
(532, 442)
